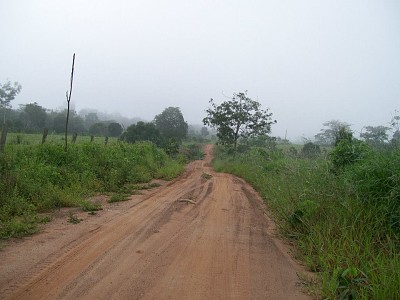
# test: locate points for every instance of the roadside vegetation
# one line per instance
(38, 174)
(37, 178)
(340, 207)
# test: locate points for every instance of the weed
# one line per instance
(118, 198)
(89, 206)
(206, 176)
(73, 219)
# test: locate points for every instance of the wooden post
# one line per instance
(74, 136)
(91, 138)
(3, 137)
(106, 140)
(45, 133)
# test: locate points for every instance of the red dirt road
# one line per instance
(157, 246)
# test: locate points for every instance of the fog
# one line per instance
(308, 61)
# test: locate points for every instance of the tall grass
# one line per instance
(36, 178)
(344, 225)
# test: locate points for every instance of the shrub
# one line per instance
(310, 150)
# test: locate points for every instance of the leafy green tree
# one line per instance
(343, 134)
(329, 136)
(33, 117)
(142, 131)
(171, 124)
(76, 123)
(115, 129)
(98, 129)
(8, 92)
(239, 117)
(375, 136)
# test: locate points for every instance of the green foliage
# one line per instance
(348, 152)
(89, 206)
(171, 124)
(73, 219)
(99, 129)
(310, 150)
(36, 178)
(240, 117)
(32, 117)
(335, 131)
(206, 176)
(114, 129)
(8, 92)
(375, 136)
(192, 151)
(344, 224)
(118, 198)
(142, 131)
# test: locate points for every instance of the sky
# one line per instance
(308, 61)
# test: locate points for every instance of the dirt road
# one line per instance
(159, 246)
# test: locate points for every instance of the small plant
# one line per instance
(73, 219)
(149, 186)
(118, 198)
(206, 176)
(348, 280)
(310, 150)
(89, 206)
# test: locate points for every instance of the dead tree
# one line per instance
(68, 101)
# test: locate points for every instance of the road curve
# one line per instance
(218, 245)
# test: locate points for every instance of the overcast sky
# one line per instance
(308, 61)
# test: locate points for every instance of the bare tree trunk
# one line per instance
(68, 101)
(45, 133)
(3, 137)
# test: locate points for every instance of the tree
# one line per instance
(114, 129)
(98, 129)
(142, 132)
(8, 92)
(33, 117)
(239, 117)
(204, 131)
(90, 119)
(171, 124)
(375, 135)
(328, 136)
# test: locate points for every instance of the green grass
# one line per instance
(36, 178)
(344, 225)
(118, 198)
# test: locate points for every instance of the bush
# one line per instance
(348, 152)
(310, 150)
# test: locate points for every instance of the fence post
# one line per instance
(3, 137)
(74, 136)
(45, 133)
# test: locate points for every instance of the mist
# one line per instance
(307, 61)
